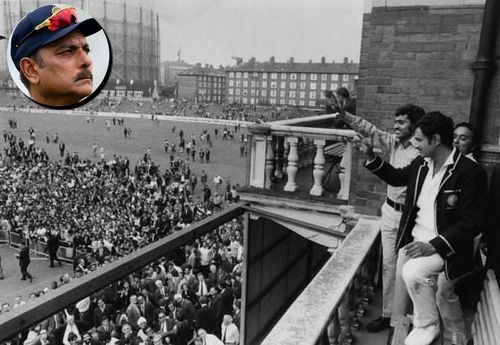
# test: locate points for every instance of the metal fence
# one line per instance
(38, 247)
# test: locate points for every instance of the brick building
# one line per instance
(423, 52)
(170, 70)
(287, 83)
(202, 84)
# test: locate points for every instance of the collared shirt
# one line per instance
(425, 223)
(400, 155)
(230, 334)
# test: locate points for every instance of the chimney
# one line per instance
(207, 66)
(323, 60)
(198, 65)
(239, 61)
(211, 66)
(333, 61)
(251, 61)
(292, 60)
(346, 60)
(271, 60)
(310, 61)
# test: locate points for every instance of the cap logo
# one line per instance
(60, 18)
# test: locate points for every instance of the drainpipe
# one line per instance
(484, 67)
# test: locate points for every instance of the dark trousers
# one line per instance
(53, 257)
(24, 271)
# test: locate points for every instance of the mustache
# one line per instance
(84, 75)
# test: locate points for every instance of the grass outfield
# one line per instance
(79, 136)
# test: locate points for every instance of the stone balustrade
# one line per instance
(282, 149)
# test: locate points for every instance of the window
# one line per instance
(274, 75)
(303, 76)
(231, 74)
(283, 84)
(293, 76)
(282, 93)
(312, 103)
(230, 99)
(245, 83)
(323, 76)
(245, 100)
(272, 101)
(346, 85)
(264, 84)
(274, 85)
(312, 94)
(335, 77)
(302, 85)
(323, 86)
(264, 93)
(302, 103)
(231, 83)
(252, 83)
(238, 83)
(291, 102)
(314, 76)
(334, 86)
(293, 85)
(238, 74)
(252, 92)
(245, 93)
(291, 94)
(283, 76)
(255, 74)
(245, 74)
(238, 92)
(273, 93)
(252, 100)
(345, 77)
(312, 86)
(302, 94)
(264, 75)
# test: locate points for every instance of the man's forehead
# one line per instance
(74, 38)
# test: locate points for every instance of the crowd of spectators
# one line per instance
(105, 210)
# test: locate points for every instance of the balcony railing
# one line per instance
(291, 155)
(320, 313)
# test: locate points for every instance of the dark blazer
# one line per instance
(460, 207)
(492, 233)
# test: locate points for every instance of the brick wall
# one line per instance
(420, 55)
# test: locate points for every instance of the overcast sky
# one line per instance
(212, 31)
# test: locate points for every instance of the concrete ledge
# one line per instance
(304, 322)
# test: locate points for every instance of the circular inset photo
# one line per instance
(59, 56)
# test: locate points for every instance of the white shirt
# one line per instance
(425, 223)
(230, 334)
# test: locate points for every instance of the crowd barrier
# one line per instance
(206, 120)
(16, 239)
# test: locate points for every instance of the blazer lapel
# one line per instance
(423, 169)
(451, 168)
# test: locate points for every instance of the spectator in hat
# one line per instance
(50, 50)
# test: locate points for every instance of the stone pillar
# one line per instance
(319, 167)
(345, 172)
(278, 172)
(258, 156)
(269, 162)
(286, 149)
(292, 168)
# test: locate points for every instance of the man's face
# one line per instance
(66, 74)
(402, 128)
(463, 139)
(423, 144)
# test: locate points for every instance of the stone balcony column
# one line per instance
(286, 149)
(258, 154)
(292, 168)
(345, 174)
(319, 167)
(269, 162)
(279, 157)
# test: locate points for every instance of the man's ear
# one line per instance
(29, 68)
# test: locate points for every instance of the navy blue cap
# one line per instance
(45, 25)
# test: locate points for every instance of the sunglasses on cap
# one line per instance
(60, 18)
